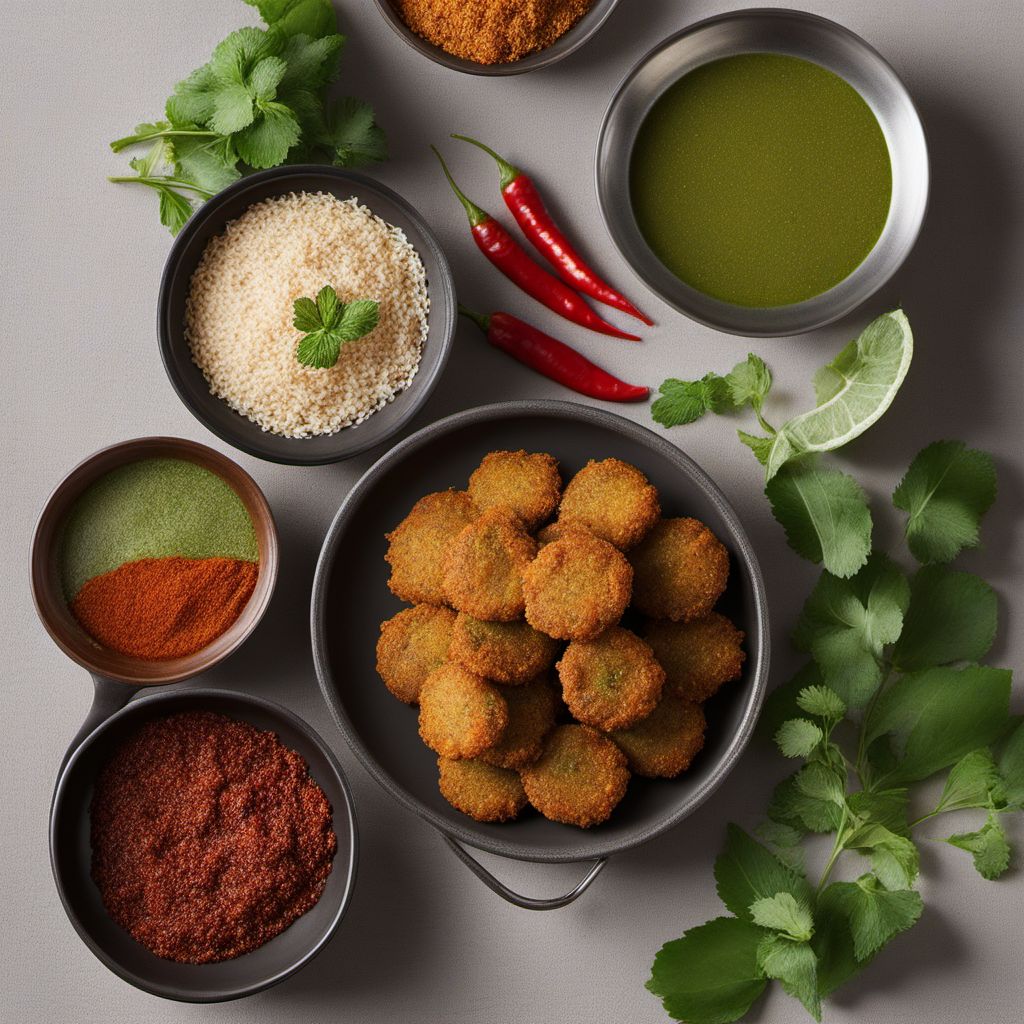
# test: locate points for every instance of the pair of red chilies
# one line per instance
(524, 201)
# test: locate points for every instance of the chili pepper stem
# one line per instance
(483, 322)
(509, 172)
(475, 214)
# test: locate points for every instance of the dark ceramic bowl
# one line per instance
(71, 855)
(576, 37)
(214, 413)
(351, 599)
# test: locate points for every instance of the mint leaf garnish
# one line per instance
(329, 323)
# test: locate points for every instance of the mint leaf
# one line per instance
(685, 401)
(331, 323)
(327, 306)
(791, 806)
(798, 737)
(307, 315)
(357, 318)
(795, 965)
(893, 857)
(821, 702)
(760, 446)
(745, 872)
(1011, 770)
(936, 716)
(952, 617)
(845, 624)
(946, 491)
(989, 847)
(352, 134)
(711, 975)
(749, 382)
(970, 782)
(783, 913)
(319, 350)
(875, 914)
(825, 515)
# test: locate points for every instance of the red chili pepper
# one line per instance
(523, 199)
(553, 358)
(511, 259)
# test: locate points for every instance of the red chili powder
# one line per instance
(208, 837)
(161, 608)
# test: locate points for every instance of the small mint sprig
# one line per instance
(328, 323)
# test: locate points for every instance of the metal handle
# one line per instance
(109, 696)
(526, 902)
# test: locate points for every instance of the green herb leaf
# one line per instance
(192, 102)
(989, 847)
(209, 163)
(791, 806)
(845, 624)
(946, 491)
(893, 857)
(783, 913)
(875, 914)
(1010, 790)
(310, 64)
(307, 315)
(820, 782)
(352, 135)
(886, 807)
(711, 975)
(331, 323)
(795, 965)
(746, 871)
(175, 209)
(833, 941)
(798, 737)
(313, 18)
(936, 716)
(825, 515)
(760, 446)
(782, 703)
(749, 382)
(952, 617)
(821, 702)
(684, 401)
(358, 318)
(970, 783)
(266, 142)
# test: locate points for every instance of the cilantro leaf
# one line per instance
(1010, 790)
(760, 446)
(952, 617)
(795, 965)
(832, 941)
(783, 913)
(746, 871)
(820, 782)
(685, 401)
(845, 625)
(936, 716)
(894, 858)
(989, 847)
(821, 702)
(798, 737)
(875, 914)
(945, 493)
(329, 323)
(352, 134)
(175, 209)
(711, 975)
(970, 783)
(825, 515)
(886, 807)
(192, 101)
(749, 382)
(792, 806)
(208, 162)
(310, 63)
(313, 18)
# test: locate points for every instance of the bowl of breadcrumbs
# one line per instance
(227, 305)
(496, 37)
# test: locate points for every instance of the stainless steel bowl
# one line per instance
(562, 47)
(799, 35)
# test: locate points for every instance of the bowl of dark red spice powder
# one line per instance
(496, 37)
(203, 843)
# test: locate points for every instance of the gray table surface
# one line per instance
(424, 940)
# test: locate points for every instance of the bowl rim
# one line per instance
(531, 62)
(274, 711)
(833, 311)
(46, 537)
(588, 845)
(417, 392)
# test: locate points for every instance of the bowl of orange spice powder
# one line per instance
(496, 37)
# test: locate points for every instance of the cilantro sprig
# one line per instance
(260, 101)
(893, 696)
(328, 323)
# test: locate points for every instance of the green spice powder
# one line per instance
(761, 179)
(150, 509)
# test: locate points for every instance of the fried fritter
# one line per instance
(418, 545)
(480, 790)
(483, 567)
(577, 587)
(507, 652)
(557, 530)
(532, 710)
(461, 714)
(666, 741)
(613, 500)
(680, 570)
(526, 482)
(412, 644)
(698, 657)
(611, 682)
(579, 778)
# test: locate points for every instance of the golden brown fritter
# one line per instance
(480, 790)
(418, 545)
(412, 644)
(666, 741)
(680, 570)
(610, 682)
(532, 710)
(579, 778)
(507, 652)
(557, 530)
(461, 714)
(613, 500)
(698, 657)
(483, 568)
(526, 482)
(577, 587)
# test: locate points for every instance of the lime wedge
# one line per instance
(852, 391)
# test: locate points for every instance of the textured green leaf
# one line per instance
(310, 63)
(970, 783)
(760, 446)
(313, 18)
(209, 163)
(798, 737)
(192, 102)
(875, 914)
(790, 805)
(821, 702)
(781, 704)
(328, 306)
(318, 349)
(357, 319)
(1011, 769)
(795, 965)
(989, 847)
(893, 857)
(685, 401)
(784, 913)
(886, 807)
(307, 316)
(265, 143)
(175, 209)
(833, 941)
(746, 871)
(353, 135)
(749, 382)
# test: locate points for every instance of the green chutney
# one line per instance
(761, 179)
